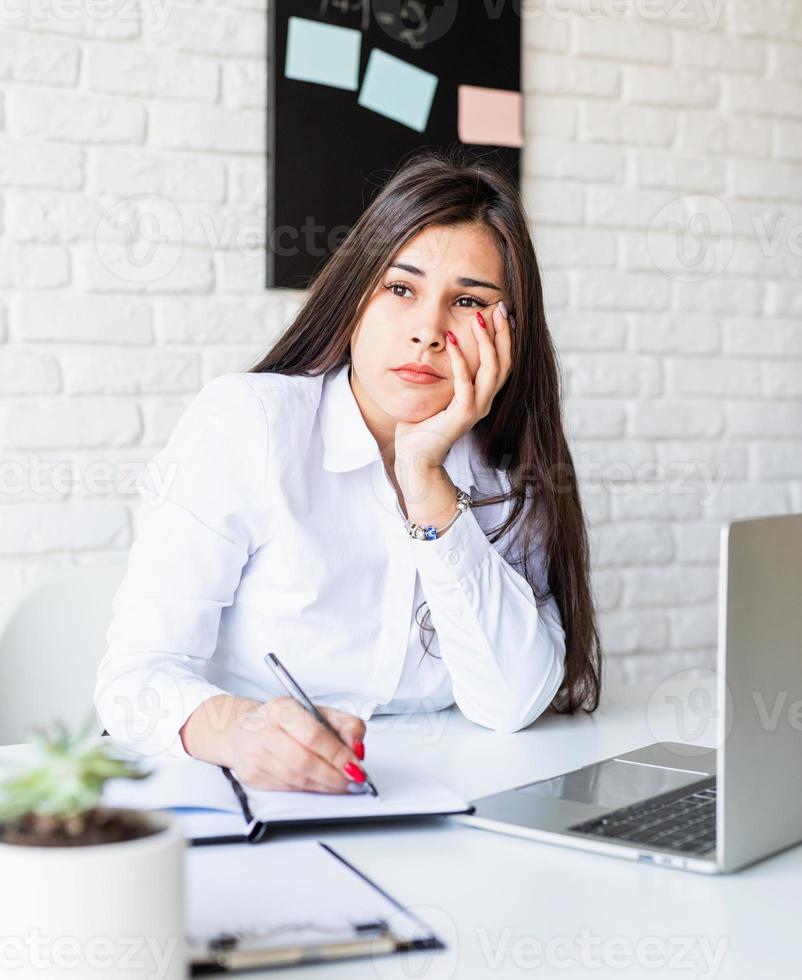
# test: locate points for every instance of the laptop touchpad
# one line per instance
(613, 783)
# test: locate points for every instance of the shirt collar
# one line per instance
(348, 443)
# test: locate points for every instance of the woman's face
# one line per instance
(450, 272)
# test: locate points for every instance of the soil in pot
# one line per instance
(100, 825)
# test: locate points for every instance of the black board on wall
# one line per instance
(327, 155)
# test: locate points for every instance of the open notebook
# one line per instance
(215, 806)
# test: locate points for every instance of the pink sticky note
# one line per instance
(489, 116)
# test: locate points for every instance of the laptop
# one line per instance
(681, 805)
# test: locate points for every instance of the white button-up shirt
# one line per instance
(269, 523)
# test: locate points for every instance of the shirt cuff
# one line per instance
(453, 556)
(170, 703)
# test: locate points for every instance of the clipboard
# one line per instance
(374, 925)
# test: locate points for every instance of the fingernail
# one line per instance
(451, 337)
(503, 309)
(513, 324)
(481, 320)
(355, 788)
(354, 772)
(359, 748)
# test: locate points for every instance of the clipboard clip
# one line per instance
(233, 952)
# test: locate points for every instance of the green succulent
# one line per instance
(65, 776)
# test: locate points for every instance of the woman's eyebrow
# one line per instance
(461, 280)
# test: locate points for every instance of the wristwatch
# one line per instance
(430, 532)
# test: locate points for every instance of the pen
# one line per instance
(293, 688)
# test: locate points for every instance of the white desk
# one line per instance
(508, 907)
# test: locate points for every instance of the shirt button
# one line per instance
(452, 557)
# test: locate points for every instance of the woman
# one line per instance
(311, 509)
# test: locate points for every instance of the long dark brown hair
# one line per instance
(523, 432)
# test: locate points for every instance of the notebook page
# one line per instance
(175, 783)
(284, 894)
(403, 790)
(200, 824)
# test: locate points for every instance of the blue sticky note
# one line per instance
(323, 53)
(398, 90)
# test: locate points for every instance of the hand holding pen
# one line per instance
(279, 744)
(324, 732)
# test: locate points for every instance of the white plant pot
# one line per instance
(114, 911)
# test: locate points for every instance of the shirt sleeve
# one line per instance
(504, 653)
(201, 515)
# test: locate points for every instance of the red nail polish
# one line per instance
(354, 772)
(359, 748)
(451, 337)
(481, 320)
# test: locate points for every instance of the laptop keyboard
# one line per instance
(685, 822)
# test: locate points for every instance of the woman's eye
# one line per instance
(400, 285)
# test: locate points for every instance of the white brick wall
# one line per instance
(680, 341)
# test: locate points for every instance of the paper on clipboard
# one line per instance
(294, 901)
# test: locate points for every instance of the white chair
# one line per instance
(51, 642)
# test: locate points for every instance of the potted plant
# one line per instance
(86, 890)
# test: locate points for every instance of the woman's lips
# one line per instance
(417, 377)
